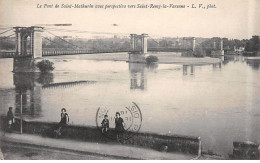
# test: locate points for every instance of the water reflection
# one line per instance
(45, 79)
(254, 64)
(29, 85)
(186, 67)
(216, 65)
(235, 58)
(226, 59)
(152, 67)
(138, 76)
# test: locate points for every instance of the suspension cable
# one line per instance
(91, 32)
(57, 43)
(63, 40)
(6, 28)
(7, 36)
(6, 31)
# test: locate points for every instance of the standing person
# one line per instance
(105, 124)
(10, 117)
(119, 126)
(63, 121)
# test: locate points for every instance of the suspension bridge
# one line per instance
(28, 43)
(29, 46)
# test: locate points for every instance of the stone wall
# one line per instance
(169, 143)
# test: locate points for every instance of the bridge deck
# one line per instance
(77, 52)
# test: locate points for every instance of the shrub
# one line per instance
(45, 66)
(151, 59)
(199, 52)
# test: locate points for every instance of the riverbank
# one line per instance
(97, 150)
(172, 143)
(93, 145)
(164, 58)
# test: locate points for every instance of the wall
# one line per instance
(174, 143)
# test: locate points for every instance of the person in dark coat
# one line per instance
(10, 117)
(105, 124)
(63, 121)
(64, 117)
(119, 126)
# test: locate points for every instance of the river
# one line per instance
(218, 102)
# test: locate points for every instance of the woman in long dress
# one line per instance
(119, 126)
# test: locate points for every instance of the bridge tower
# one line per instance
(28, 48)
(192, 46)
(138, 50)
(35, 41)
(218, 51)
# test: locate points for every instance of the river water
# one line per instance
(220, 102)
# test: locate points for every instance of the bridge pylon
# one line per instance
(138, 47)
(191, 50)
(27, 50)
(218, 51)
(35, 41)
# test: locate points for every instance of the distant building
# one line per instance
(239, 49)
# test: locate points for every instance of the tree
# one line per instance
(45, 66)
(253, 45)
(151, 59)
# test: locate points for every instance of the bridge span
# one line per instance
(32, 37)
(29, 48)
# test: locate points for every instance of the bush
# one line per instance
(199, 52)
(45, 66)
(151, 59)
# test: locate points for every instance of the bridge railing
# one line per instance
(72, 52)
(13, 55)
(90, 51)
(168, 49)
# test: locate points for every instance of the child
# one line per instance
(105, 124)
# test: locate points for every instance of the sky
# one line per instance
(232, 18)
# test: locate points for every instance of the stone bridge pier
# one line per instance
(191, 50)
(138, 48)
(28, 48)
(218, 51)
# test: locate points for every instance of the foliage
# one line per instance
(7, 43)
(45, 66)
(199, 52)
(253, 45)
(151, 59)
(228, 44)
(94, 44)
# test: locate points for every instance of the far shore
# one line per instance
(164, 58)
